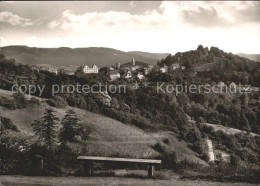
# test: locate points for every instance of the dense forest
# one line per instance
(221, 66)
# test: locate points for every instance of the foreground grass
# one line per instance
(112, 180)
(223, 172)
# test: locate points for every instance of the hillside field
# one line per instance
(108, 137)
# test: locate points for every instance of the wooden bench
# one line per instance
(90, 159)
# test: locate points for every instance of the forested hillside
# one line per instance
(220, 66)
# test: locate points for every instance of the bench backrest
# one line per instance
(95, 158)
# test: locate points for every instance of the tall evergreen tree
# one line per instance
(38, 129)
(45, 128)
(70, 127)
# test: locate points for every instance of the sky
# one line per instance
(150, 26)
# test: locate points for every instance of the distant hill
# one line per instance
(255, 57)
(156, 56)
(71, 58)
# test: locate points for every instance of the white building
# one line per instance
(175, 66)
(146, 71)
(90, 70)
(54, 71)
(114, 75)
(128, 75)
(140, 75)
(133, 68)
(69, 72)
(133, 62)
(210, 150)
(233, 86)
(164, 69)
(150, 67)
(111, 68)
(44, 68)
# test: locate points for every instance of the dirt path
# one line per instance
(62, 181)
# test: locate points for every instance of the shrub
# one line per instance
(7, 103)
(205, 157)
(234, 160)
(14, 157)
(33, 102)
(8, 124)
(20, 100)
(169, 158)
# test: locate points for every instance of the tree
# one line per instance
(70, 127)
(104, 71)
(244, 99)
(184, 101)
(200, 120)
(223, 108)
(114, 103)
(2, 127)
(193, 135)
(79, 71)
(45, 128)
(244, 124)
(234, 160)
(188, 65)
(7, 124)
(38, 129)
(168, 60)
(197, 110)
(200, 48)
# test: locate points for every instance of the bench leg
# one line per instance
(88, 168)
(150, 171)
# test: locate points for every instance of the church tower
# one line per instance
(133, 61)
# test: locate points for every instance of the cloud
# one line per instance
(205, 17)
(110, 21)
(132, 4)
(210, 14)
(53, 24)
(250, 13)
(15, 20)
(169, 27)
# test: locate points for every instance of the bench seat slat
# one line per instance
(95, 158)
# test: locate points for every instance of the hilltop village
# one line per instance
(129, 71)
(138, 71)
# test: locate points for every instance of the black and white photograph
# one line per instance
(129, 93)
